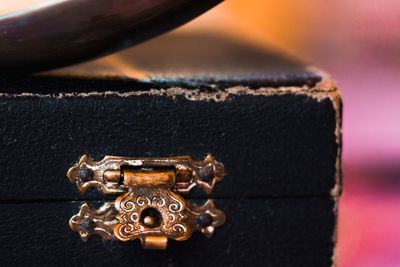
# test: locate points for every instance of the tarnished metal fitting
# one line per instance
(149, 206)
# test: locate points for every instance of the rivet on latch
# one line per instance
(149, 206)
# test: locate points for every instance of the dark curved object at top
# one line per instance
(63, 32)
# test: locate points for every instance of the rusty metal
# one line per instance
(149, 206)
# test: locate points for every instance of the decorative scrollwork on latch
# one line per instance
(149, 206)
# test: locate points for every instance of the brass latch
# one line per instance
(149, 205)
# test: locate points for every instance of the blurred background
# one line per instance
(358, 43)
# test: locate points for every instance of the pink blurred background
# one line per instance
(358, 42)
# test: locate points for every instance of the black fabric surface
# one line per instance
(270, 145)
(259, 232)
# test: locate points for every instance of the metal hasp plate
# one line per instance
(149, 205)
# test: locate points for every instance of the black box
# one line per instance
(274, 123)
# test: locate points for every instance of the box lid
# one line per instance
(273, 122)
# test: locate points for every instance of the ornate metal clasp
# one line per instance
(149, 206)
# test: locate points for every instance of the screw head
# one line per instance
(204, 220)
(206, 173)
(85, 174)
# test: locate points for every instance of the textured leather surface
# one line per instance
(259, 232)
